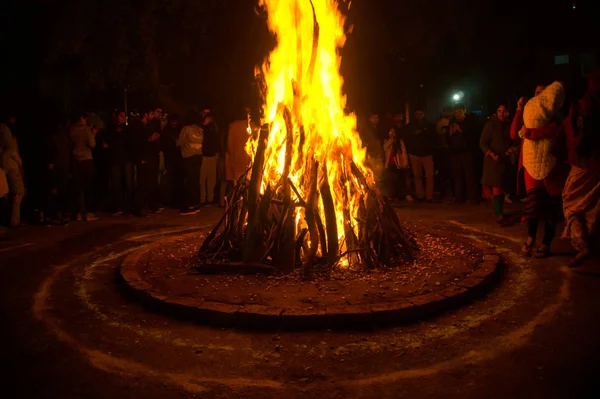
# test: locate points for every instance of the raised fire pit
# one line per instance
(447, 273)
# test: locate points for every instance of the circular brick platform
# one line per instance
(258, 316)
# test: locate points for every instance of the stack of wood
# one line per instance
(261, 227)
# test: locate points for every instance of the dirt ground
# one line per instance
(69, 332)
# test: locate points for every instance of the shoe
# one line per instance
(527, 249)
(502, 220)
(88, 217)
(541, 252)
(117, 213)
(507, 199)
(409, 198)
(159, 210)
(580, 258)
(79, 217)
(189, 211)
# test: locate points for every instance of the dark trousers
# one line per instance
(146, 193)
(192, 165)
(83, 181)
(463, 173)
(395, 182)
(121, 187)
(57, 203)
(443, 174)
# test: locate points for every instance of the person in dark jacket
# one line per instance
(497, 146)
(60, 150)
(420, 139)
(173, 162)
(372, 136)
(146, 152)
(210, 158)
(461, 131)
(120, 160)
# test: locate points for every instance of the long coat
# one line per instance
(237, 160)
(495, 138)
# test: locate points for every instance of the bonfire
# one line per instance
(309, 197)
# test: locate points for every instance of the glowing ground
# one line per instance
(70, 333)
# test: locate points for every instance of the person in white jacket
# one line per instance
(190, 141)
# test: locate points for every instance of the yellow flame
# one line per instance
(317, 105)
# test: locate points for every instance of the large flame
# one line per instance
(313, 96)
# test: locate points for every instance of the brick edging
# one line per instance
(475, 285)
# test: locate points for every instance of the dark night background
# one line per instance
(63, 56)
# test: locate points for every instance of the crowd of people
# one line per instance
(137, 165)
(547, 156)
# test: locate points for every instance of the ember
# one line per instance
(309, 197)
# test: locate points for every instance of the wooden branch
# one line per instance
(315, 44)
(284, 249)
(254, 244)
(300, 199)
(289, 147)
(311, 210)
(322, 235)
(330, 218)
(300, 243)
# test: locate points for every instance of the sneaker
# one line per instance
(188, 211)
(409, 198)
(88, 217)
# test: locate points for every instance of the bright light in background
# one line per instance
(458, 96)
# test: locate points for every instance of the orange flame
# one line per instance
(316, 104)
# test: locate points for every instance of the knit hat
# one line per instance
(542, 108)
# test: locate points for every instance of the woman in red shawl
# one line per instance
(581, 196)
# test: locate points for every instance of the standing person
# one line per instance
(396, 166)
(61, 155)
(146, 150)
(174, 163)
(190, 140)
(237, 159)
(496, 144)
(11, 162)
(373, 139)
(120, 160)
(155, 149)
(210, 158)
(461, 131)
(83, 140)
(420, 139)
(544, 167)
(442, 155)
(581, 195)
(515, 127)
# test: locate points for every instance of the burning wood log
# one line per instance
(330, 218)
